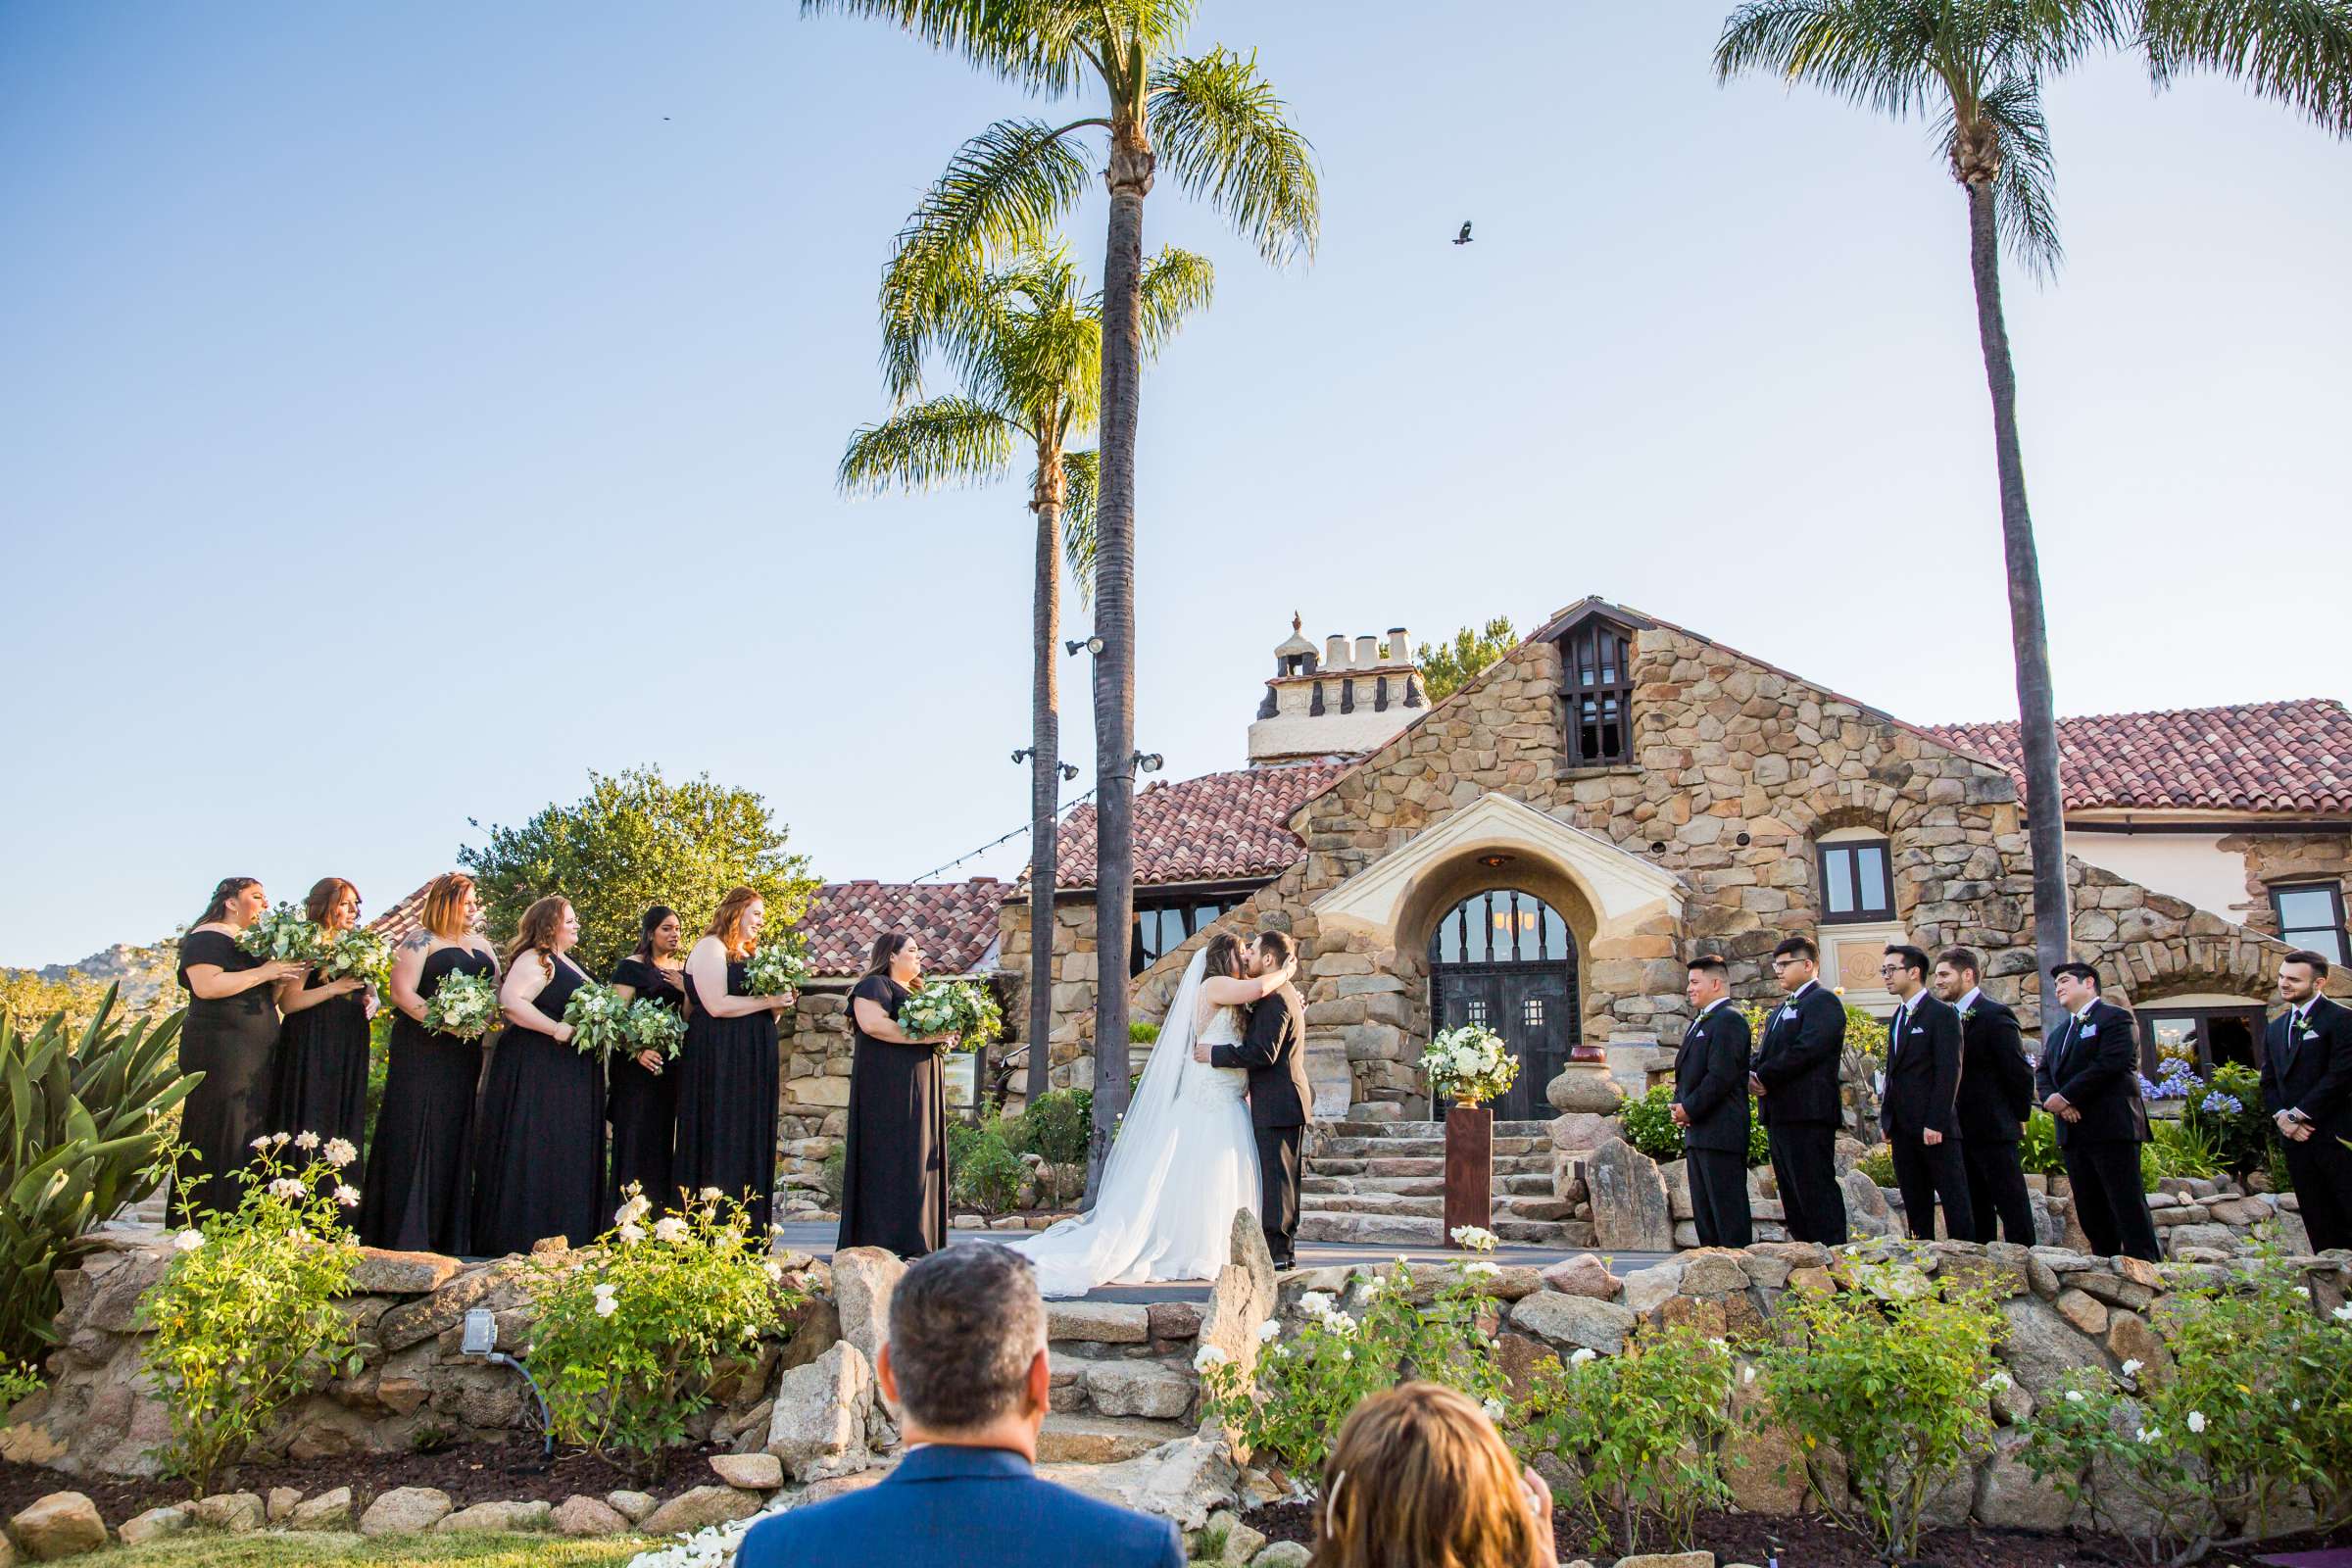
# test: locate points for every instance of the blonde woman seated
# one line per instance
(1420, 1477)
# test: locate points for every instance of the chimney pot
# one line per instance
(1366, 651)
(1334, 651)
(1400, 646)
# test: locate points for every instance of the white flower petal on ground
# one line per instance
(2133, 1367)
(2148, 1434)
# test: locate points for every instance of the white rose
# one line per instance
(288, 1188)
(2074, 1395)
(305, 1139)
(2343, 1314)
(1208, 1356)
(710, 1195)
(631, 1234)
(1314, 1304)
(260, 1143)
(605, 1306)
(188, 1241)
(776, 1272)
(1268, 1332)
(1581, 1355)
(347, 1195)
(339, 1151)
(1480, 1271)
(2149, 1434)
(669, 1228)
(1494, 1410)
(2197, 1420)
(2133, 1367)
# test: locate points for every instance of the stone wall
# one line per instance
(2286, 858)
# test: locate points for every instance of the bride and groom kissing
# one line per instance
(1214, 1127)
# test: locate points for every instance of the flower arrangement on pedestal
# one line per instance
(1470, 1064)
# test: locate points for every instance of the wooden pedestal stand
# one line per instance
(1469, 1168)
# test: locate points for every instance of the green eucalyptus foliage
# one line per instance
(633, 841)
(84, 1119)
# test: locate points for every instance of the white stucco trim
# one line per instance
(1624, 889)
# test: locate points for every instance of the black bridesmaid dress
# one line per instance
(894, 1186)
(727, 1106)
(318, 1080)
(230, 1041)
(539, 1144)
(420, 1164)
(642, 1106)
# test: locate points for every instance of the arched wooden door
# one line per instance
(1506, 959)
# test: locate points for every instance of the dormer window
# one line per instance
(1596, 692)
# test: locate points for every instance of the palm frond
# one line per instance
(1040, 44)
(947, 440)
(2022, 192)
(1873, 53)
(2298, 52)
(1217, 125)
(1003, 192)
(1173, 285)
(1081, 474)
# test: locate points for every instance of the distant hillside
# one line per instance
(142, 972)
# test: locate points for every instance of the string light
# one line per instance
(1002, 839)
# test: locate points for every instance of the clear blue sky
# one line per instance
(405, 410)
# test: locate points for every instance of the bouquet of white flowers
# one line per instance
(1470, 1064)
(356, 955)
(650, 1026)
(284, 932)
(464, 1005)
(776, 967)
(951, 1006)
(604, 1025)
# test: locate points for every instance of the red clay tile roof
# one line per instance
(2254, 757)
(1215, 828)
(404, 919)
(955, 920)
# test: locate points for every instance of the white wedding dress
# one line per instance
(1185, 1161)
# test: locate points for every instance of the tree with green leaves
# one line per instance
(1215, 123)
(633, 841)
(1025, 344)
(1976, 69)
(1446, 668)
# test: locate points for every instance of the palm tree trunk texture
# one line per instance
(2038, 730)
(1045, 767)
(1130, 180)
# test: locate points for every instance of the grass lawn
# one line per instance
(329, 1549)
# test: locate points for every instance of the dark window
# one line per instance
(1500, 927)
(1596, 692)
(1855, 884)
(1162, 925)
(2210, 1035)
(1530, 1013)
(1478, 1010)
(2311, 915)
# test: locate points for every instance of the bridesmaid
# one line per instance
(419, 1167)
(643, 1101)
(229, 1035)
(727, 1072)
(894, 1186)
(319, 1081)
(539, 1145)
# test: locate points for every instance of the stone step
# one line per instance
(1504, 1206)
(1408, 1230)
(1073, 1439)
(1425, 1128)
(1396, 1147)
(1420, 1165)
(1117, 1387)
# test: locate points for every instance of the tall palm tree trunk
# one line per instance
(1130, 179)
(1044, 765)
(2037, 729)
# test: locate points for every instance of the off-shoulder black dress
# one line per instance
(229, 1040)
(319, 1079)
(894, 1187)
(642, 1106)
(539, 1142)
(728, 1105)
(419, 1190)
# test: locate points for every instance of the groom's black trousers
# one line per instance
(1278, 1188)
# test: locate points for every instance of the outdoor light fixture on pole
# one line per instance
(1149, 761)
(1093, 645)
(481, 1339)
(1070, 771)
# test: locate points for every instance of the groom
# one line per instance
(1275, 1052)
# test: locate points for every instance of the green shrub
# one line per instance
(1878, 1163)
(2228, 1113)
(983, 1171)
(1287, 1414)
(1648, 1123)
(633, 1329)
(2178, 1148)
(17, 1383)
(1637, 1436)
(2038, 1150)
(85, 1117)
(1056, 1125)
(2252, 1407)
(245, 1317)
(1142, 1032)
(1892, 1372)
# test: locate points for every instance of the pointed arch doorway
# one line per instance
(1505, 959)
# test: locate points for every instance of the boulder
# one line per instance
(1585, 1274)
(1866, 1210)
(1578, 1131)
(1185, 1481)
(1283, 1554)
(152, 1525)
(1676, 1173)
(380, 1272)
(2009, 1496)
(1138, 1388)
(634, 1507)
(2087, 1314)
(818, 1425)
(404, 1510)
(753, 1472)
(1574, 1322)
(1242, 1296)
(1629, 1210)
(2038, 1346)
(1099, 1322)
(63, 1524)
(699, 1510)
(1713, 1271)
(1668, 1559)
(1586, 1087)
(1648, 1288)
(1763, 1463)
(579, 1517)
(283, 1502)
(328, 1511)
(1234, 1542)
(500, 1517)
(862, 1279)
(229, 1510)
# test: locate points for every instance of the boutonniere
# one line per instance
(1967, 1013)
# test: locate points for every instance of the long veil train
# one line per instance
(1144, 1226)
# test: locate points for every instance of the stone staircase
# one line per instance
(1384, 1183)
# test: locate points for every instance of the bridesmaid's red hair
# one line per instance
(727, 923)
(444, 899)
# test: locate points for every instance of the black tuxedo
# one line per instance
(1274, 1049)
(2310, 1070)
(2094, 1062)
(1996, 1095)
(1922, 1096)
(1804, 1043)
(1710, 1084)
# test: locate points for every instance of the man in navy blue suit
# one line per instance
(966, 1365)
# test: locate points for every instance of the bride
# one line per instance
(1185, 1159)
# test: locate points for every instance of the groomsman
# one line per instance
(1710, 1107)
(1996, 1095)
(1919, 1110)
(2307, 1082)
(2090, 1083)
(1796, 1075)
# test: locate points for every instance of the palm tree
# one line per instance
(1025, 343)
(1221, 130)
(2296, 51)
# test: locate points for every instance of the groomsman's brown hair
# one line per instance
(1964, 960)
(2315, 962)
(1274, 945)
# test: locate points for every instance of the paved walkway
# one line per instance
(817, 1239)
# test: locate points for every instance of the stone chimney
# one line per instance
(1345, 703)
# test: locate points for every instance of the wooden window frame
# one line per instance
(1605, 687)
(2335, 901)
(1858, 915)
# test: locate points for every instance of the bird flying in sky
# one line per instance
(1463, 238)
